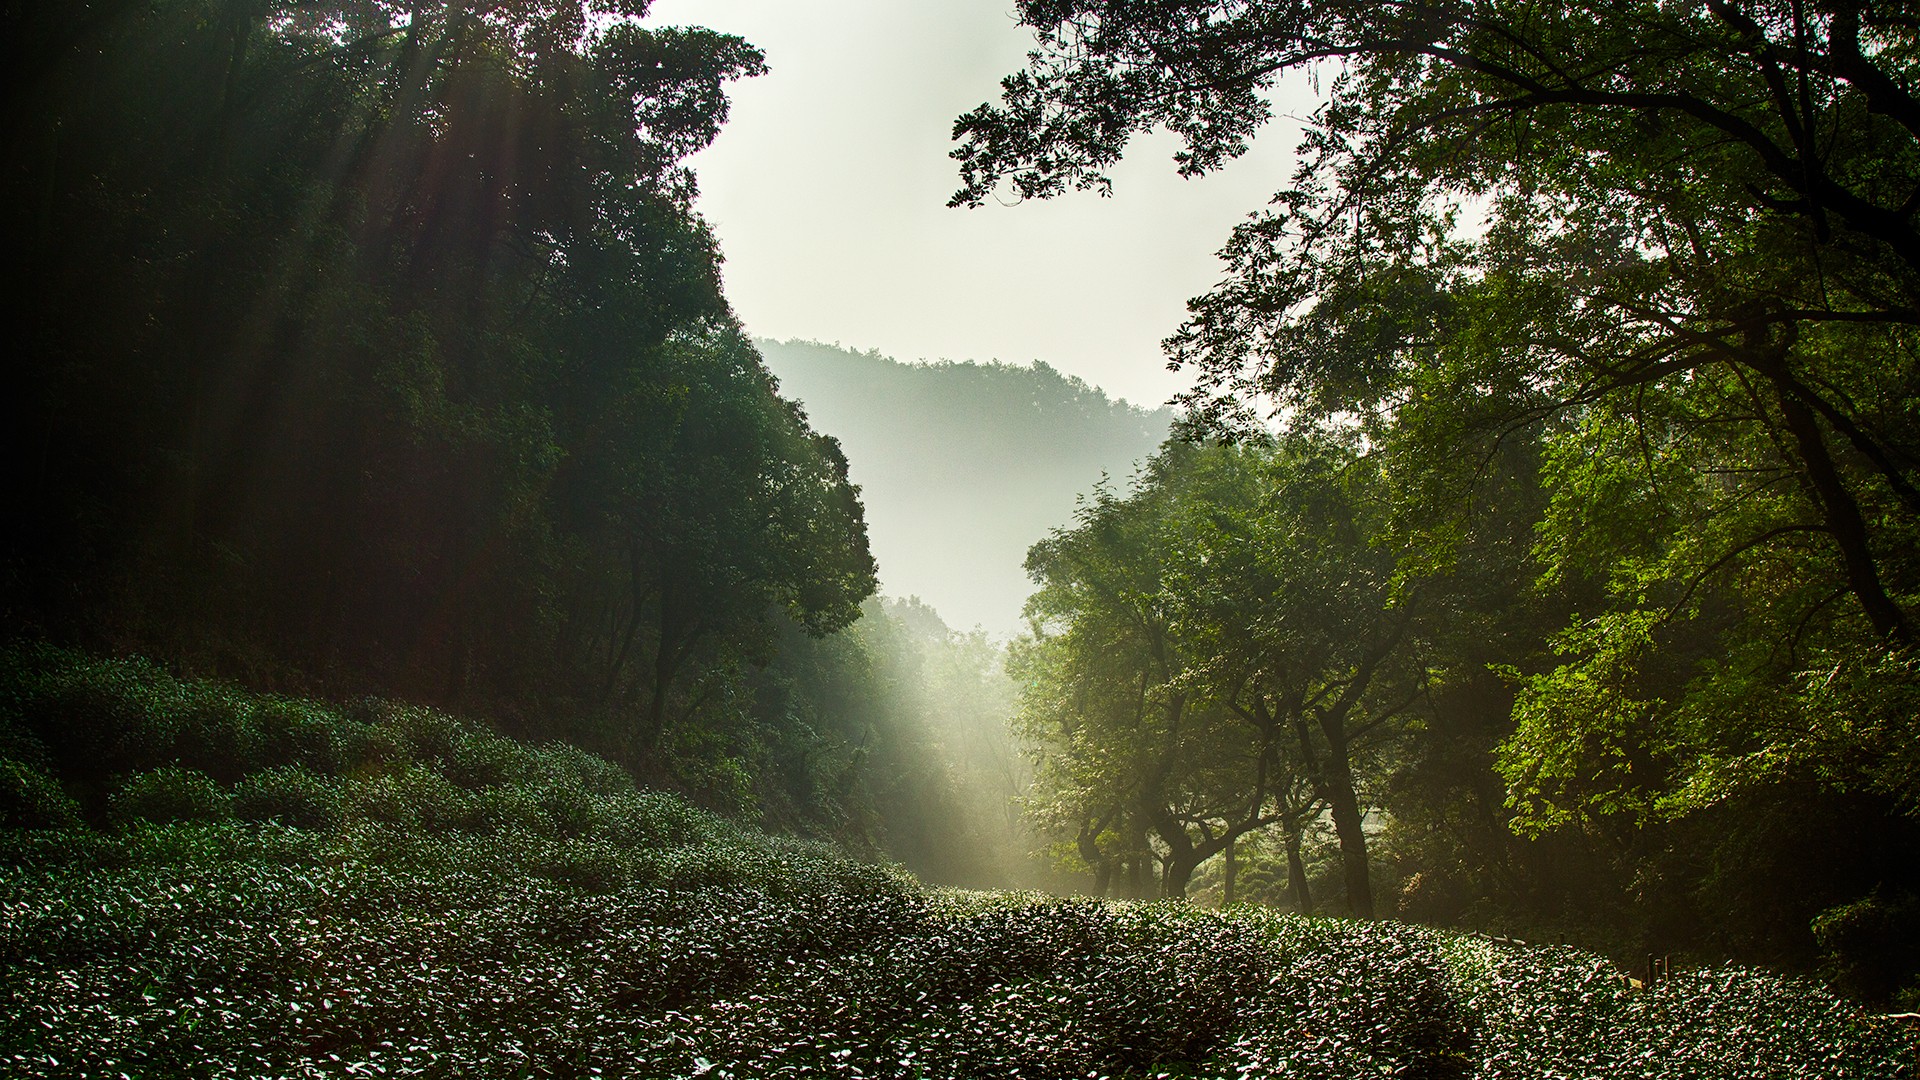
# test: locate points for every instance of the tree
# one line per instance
(1679, 245)
(717, 512)
(1131, 746)
(1312, 608)
(1229, 648)
(376, 347)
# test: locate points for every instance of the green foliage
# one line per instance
(168, 795)
(379, 350)
(290, 795)
(453, 903)
(1622, 297)
(1226, 647)
(30, 798)
(1868, 951)
(461, 963)
(1557, 1012)
(1579, 741)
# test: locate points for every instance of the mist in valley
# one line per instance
(963, 466)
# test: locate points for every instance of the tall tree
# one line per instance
(1694, 271)
(375, 345)
(1234, 633)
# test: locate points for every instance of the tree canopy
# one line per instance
(376, 347)
(1645, 276)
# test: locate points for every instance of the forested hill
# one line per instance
(962, 466)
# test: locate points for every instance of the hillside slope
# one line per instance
(962, 466)
(263, 886)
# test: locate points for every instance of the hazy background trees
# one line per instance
(963, 465)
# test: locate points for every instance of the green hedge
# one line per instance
(276, 888)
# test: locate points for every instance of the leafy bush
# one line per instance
(403, 894)
(301, 733)
(171, 794)
(291, 795)
(1558, 1012)
(30, 798)
(415, 799)
(478, 760)
(257, 950)
(1870, 946)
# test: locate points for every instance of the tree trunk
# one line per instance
(1843, 520)
(1176, 875)
(1227, 875)
(1348, 822)
(1089, 845)
(1297, 873)
(664, 664)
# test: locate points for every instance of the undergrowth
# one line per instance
(198, 882)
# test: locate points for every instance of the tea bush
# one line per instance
(1557, 1012)
(385, 891)
(451, 959)
(30, 798)
(291, 795)
(171, 794)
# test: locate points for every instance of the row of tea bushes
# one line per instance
(195, 950)
(384, 891)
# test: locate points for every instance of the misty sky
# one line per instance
(828, 190)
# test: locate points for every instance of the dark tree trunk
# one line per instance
(1843, 520)
(1184, 856)
(1348, 822)
(1175, 876)
(1088, 843)
(1297, 873)
(666, 662)
(1227, 875)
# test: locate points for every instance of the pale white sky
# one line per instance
(828, 190)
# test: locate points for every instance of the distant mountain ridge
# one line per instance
(964, 465)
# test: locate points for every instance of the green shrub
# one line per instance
(479, 759)
(290, 795)
(560, 764)
(414, 799)
(212, 730)
(589, 865)
(295, 732)
(17, 743)
(566, 809)
(98, 717)
(376, 750)
(32, 799)
(1870, 948)
(170, 794)
(268, 951)
(657, 819)
(428, 736)
(514, 808)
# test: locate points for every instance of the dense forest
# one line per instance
(377, 348)
(1561, 553)
(436, 643)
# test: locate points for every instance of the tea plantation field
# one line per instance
(271, 888)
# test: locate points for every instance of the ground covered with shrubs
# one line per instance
(196, 882)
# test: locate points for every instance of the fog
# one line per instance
(963, 466)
